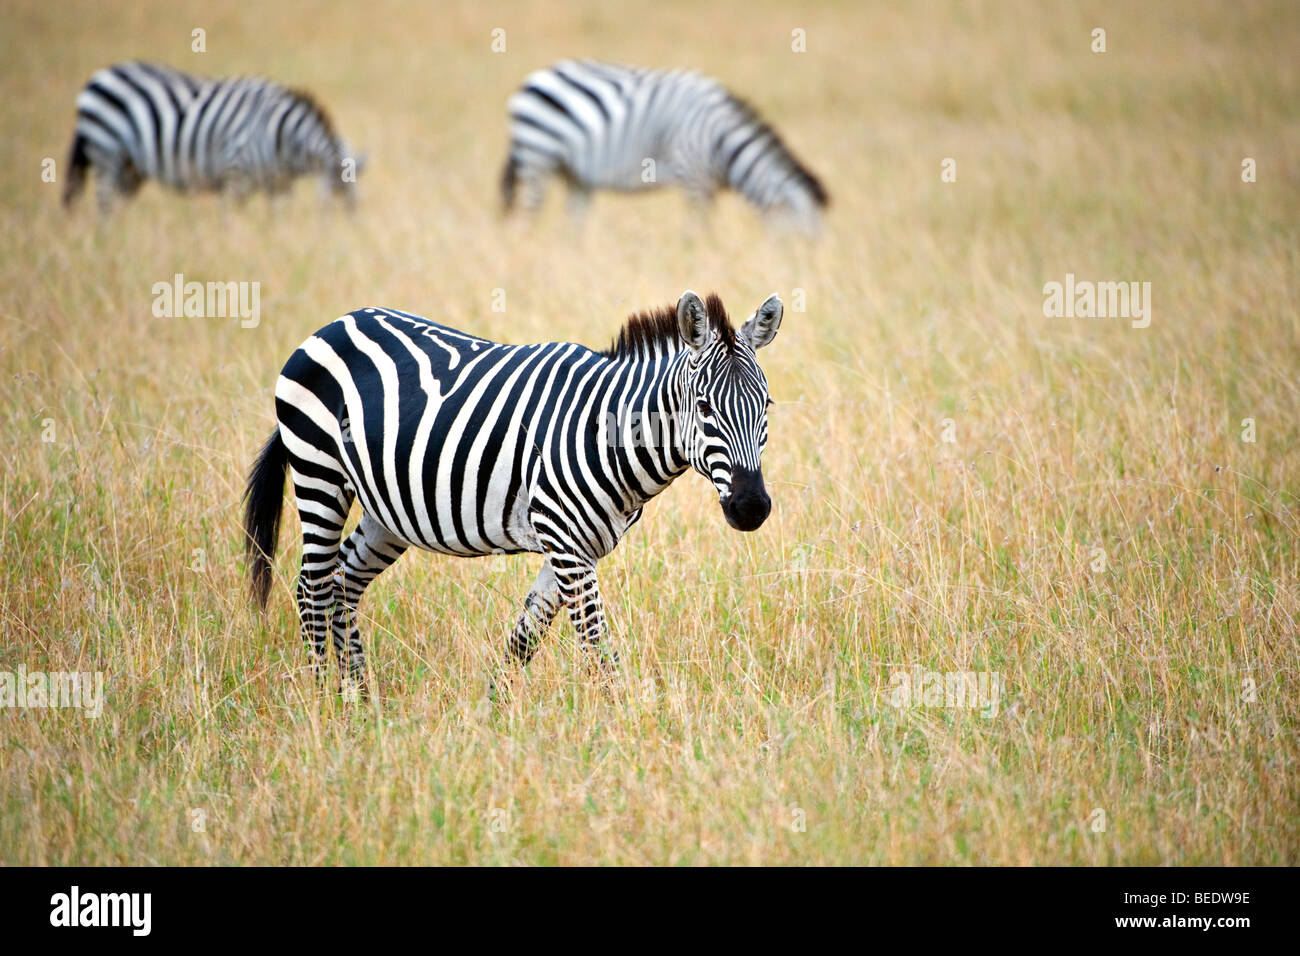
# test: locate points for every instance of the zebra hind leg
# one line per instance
(116, 184)
(323, 508)
(368, 551)
(524, 182)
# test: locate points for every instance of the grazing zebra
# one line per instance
(138, 121)
(463, 446)
(601, 126)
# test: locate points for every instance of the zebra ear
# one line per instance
(760, 328)
(692, 320)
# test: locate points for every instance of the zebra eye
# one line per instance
(704, 408)
(770, 403)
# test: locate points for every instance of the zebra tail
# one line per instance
(78, 163)
(509, 181)
(262, 501)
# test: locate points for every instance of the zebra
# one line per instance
(463, 446)
(139, 121)
(605, 126)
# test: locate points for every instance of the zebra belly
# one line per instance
(635, 164)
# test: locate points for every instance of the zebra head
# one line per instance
(341, 170)
(796, 199)
(726, 402)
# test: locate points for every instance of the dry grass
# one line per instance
(756, 668)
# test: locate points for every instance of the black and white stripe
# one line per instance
(462, 446)
(596, 125)
(139, 121)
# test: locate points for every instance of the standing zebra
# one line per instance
(463, 446)
(138, 121)
(602, 126)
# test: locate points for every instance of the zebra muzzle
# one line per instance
(748, 504)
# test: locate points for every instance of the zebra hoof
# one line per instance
(353, 691)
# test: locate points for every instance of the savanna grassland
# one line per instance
(960, 483)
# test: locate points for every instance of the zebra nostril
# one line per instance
(755, 508)
(748, 512)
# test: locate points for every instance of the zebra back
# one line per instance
(138, 121)
(609, 126)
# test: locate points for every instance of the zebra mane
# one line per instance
(645, 330)
(310, 101)
(800, 172)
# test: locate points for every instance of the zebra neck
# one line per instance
(645, 447)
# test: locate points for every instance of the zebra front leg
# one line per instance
(236, 189)
(580, 592)
(368, 551)
(578, 203)
(540, 607)
(277, 196)
(699, 203)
